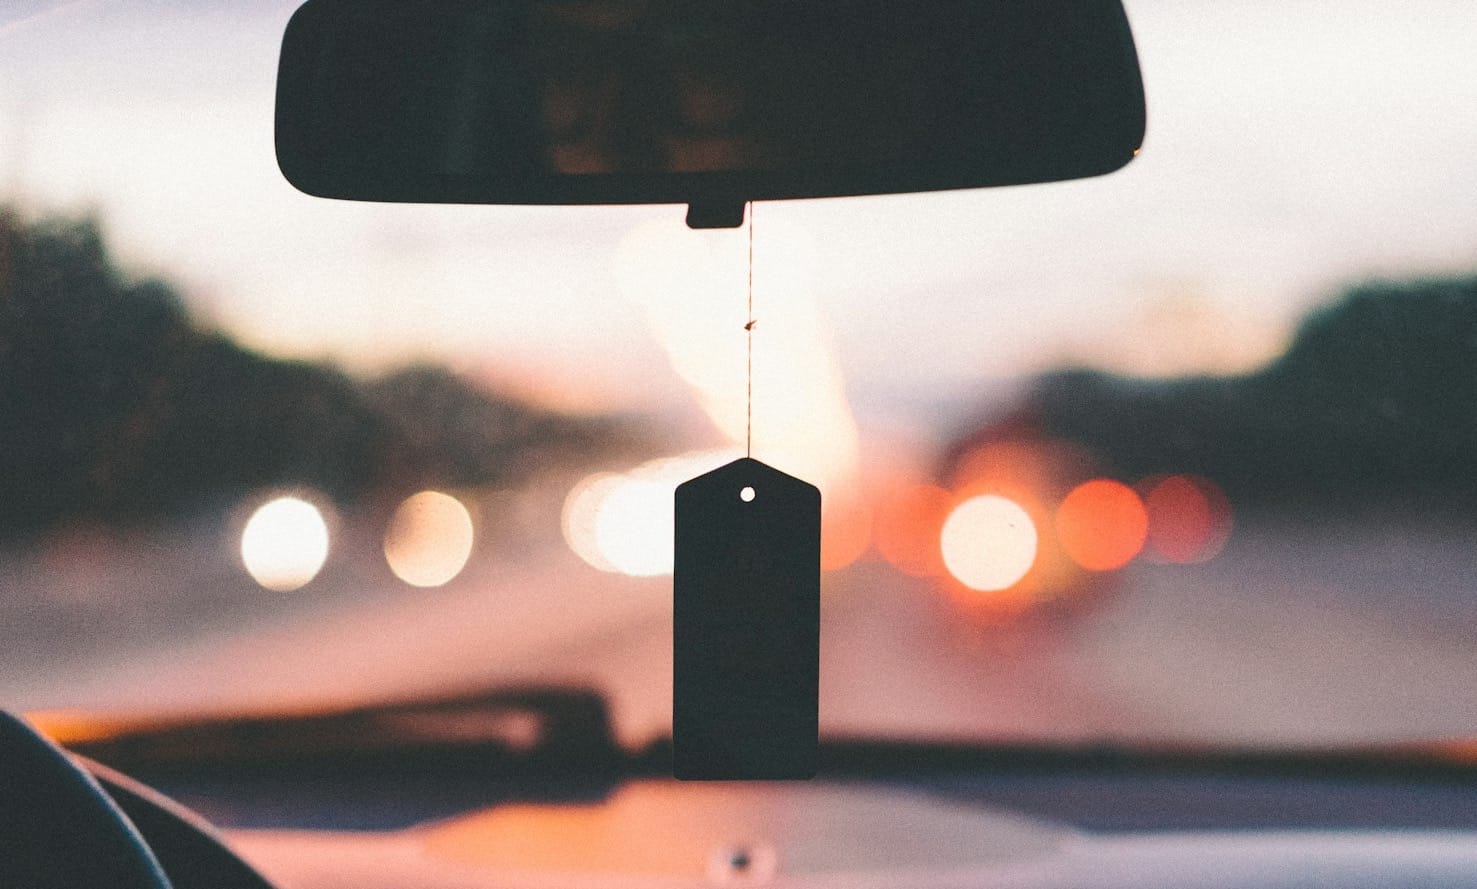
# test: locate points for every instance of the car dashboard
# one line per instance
(663, 833)
(528, 787)
(881, 814)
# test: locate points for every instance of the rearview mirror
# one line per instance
(706, 102)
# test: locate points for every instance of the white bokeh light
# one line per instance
(622, 522)
(989, 543)
(285, 543)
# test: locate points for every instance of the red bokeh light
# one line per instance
(1189, 518)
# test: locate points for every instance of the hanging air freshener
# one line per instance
(746, 617)
(746, 624)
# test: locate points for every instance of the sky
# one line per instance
(1292, 147)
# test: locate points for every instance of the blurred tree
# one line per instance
(115, 407)
(1376, 398)
(447, 431)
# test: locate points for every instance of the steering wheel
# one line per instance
(67, 823)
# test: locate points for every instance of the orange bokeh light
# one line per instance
(1189, 519)
(846, 531)
(1102, 524)
(1038, 467)
(908, 526)
(430, 539)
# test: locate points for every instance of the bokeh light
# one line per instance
(429, 539)
(988, 543)
(633, 528)
(622, 522)
(846, 529)
(581, 513)
(1035, 474)
(1189, 519)
(1041, 469)
(908, 528)
(285, 543)
(1101, 525)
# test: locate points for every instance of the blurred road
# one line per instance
(1296, 634)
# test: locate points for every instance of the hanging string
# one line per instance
(749, 337)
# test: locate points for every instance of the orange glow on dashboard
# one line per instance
(1102, 524)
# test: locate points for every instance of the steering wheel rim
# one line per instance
(59, 827)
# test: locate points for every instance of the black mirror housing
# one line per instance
(705, 102)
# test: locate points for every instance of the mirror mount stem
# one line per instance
(717, 214)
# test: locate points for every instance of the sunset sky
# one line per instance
(1291, 147)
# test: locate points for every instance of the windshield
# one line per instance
(1183, 454)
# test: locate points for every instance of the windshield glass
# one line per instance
(1182, 454)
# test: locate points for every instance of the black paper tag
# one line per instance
(746, 625)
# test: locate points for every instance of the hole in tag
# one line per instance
(747, 494)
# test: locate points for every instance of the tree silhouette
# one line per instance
(1376, 398)
(116, 407)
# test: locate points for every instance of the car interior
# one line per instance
(370, 371)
